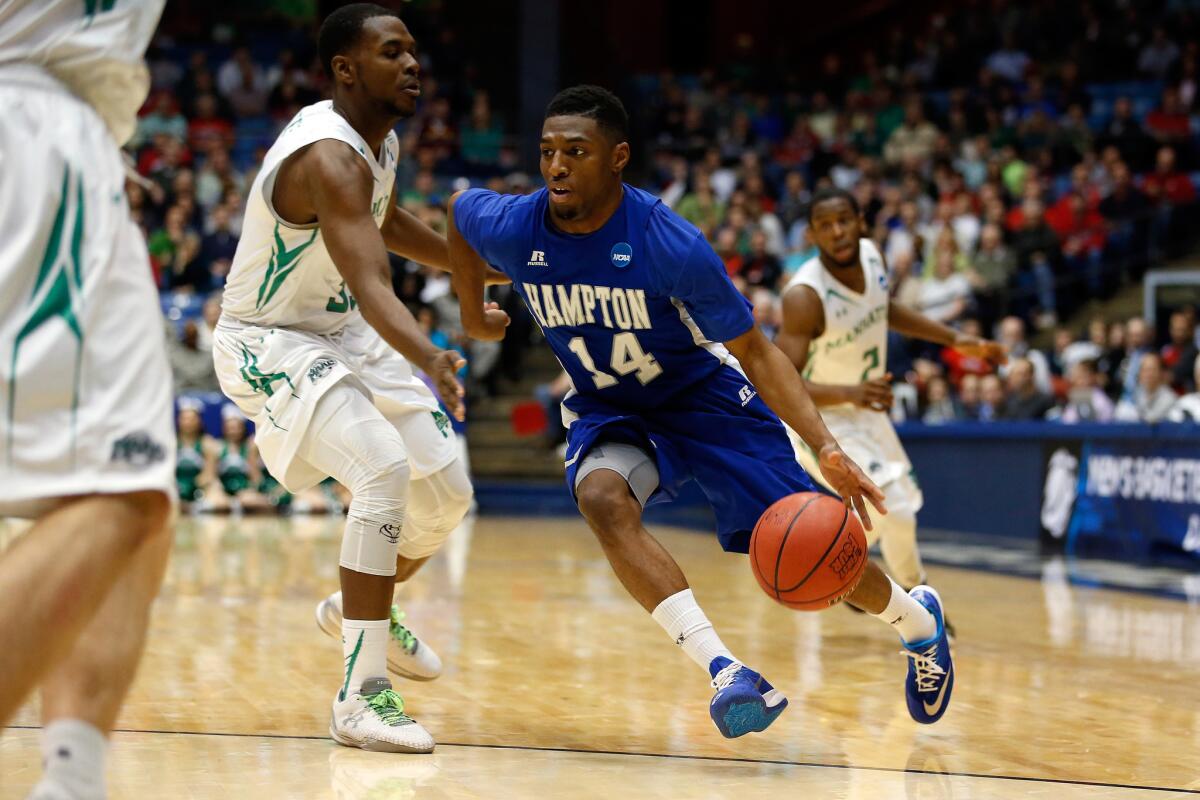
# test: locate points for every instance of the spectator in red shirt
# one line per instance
(1169, 123)
(1081, 233)
(1081, 184)
(1179, 353)
(761, 268)
(1166, 184)
(727, 249)
(1172, 199)
(798, 148)
(438, 132)
(208, 130)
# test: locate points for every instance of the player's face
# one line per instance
(386, 65)
(580, 164)
(836, 229)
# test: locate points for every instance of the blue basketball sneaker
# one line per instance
(744, 702)
(930, 667)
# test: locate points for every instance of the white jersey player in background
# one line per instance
(307, 347)
(836, 313)
(86, 441)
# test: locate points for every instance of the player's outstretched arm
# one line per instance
(776, 379)
(915, 325)
(339, 184)
(803, 321)
(468, 275)
(408, 237)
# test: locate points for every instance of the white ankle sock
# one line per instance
(685, 623)
(907, 617)
(364, 646)
(73, 754)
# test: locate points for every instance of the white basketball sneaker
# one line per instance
(373, 719)
(408, 656)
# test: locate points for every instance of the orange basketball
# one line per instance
(808, 551)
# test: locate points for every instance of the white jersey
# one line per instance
(93, 47)
(853, 347)
(282, 274)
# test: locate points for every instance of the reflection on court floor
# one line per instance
(557, 684)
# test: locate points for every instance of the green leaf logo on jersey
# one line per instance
(57, 291)
(258, 380)
(283, 263)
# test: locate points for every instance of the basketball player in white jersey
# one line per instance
(315, 347)
(836, 315)
(86, 440)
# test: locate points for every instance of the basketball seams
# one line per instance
(832, 597)
(819, 562)
(783, 544)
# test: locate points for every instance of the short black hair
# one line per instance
(341, 29)
(593, 102)
(832, 193)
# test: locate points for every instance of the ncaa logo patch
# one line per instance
(621, 255)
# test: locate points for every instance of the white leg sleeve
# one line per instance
(436, 504)
(349, 439)
(898, 541)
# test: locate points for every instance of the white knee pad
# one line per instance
(436, 504)
(350, 440)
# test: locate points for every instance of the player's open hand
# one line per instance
(993, 353)
(443, 368)
(495, 323)
(851, 483)
(875, 394)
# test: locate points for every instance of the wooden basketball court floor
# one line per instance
(558, 686)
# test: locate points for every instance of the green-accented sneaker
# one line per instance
(373, 718)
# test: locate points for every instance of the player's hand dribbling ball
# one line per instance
(808, 551)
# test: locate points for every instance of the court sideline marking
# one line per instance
(728, 759)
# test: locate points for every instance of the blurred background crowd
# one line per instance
(1018, 164)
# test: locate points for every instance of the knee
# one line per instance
(382, 491)
(608, 505)
(437, 504)
(141, 517)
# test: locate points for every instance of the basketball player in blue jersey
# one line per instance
(672, 382)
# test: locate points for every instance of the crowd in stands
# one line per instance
(1009, 176)
(1013, 161)
(1107, 372)
(996, 172)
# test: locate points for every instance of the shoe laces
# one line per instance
(929, 672)
(401, 633)
(388, 705)
(726, 676)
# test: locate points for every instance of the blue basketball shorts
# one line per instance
(718, 433)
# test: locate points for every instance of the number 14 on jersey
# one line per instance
(628, 357)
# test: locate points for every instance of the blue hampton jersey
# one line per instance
(634, 311)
